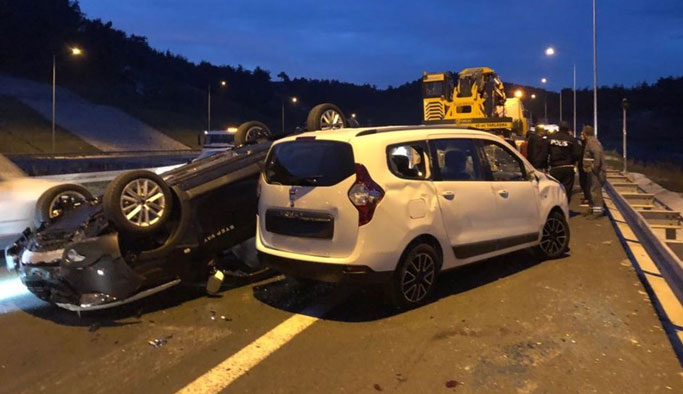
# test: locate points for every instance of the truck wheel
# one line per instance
(58, 199)
(252, 131)
(414, 279)
(325, 117)
(555, 237)
(138, 202)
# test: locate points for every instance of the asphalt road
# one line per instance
(579, 324)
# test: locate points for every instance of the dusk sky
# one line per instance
(392, 42)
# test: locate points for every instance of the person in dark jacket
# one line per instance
(583, 176)
(596, 168)
(537, 149)
(563, 153)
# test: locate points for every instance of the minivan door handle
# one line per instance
(448, 195)
(503, 193)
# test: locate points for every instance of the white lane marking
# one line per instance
(225, 373)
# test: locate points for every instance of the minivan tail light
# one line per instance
(365, 194)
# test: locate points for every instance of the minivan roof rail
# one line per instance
(421, 127)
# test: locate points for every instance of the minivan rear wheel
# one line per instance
(414, 279)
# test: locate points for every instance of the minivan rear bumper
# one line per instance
(325, 272)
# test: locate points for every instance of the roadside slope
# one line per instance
(23, 130)
(104, 127)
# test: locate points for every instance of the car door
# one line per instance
(516, 194)
(465, 196)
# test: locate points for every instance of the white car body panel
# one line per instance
(18, 198)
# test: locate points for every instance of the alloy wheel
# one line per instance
(142, 202)
(555, 237)
(331, 120)
(255, 133)
(64, 201)
(418, 277)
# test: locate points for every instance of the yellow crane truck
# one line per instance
(477, 100)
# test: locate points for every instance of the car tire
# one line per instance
(415, 277)
(554, 237)
(252, 131)
(55, 200)
(138, 202)
(325, 117)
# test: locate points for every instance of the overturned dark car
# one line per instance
(150, 232)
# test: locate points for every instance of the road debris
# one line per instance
(451, 384)
(378, 387)
(159, 342)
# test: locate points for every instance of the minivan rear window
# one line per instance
(309, 163)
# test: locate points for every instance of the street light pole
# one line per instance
(595, 71)
(545, 100)
(560, 104)
(75, 51)
(54, 97)
(208, 107)
(293, 100)
(574, 88)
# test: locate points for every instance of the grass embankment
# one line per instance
(668, 175)
(23, 130)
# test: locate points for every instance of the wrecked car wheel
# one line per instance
(138, 202)
(325, 117)
(252, 131)
(58, 199)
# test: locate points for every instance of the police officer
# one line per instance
(563, 152)
(537, 149)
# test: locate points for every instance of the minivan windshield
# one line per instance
(309, 163)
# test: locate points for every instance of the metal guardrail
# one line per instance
(98, 155)
(667, 261)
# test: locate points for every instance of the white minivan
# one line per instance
(397, 205)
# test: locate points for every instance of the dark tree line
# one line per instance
(169, 92)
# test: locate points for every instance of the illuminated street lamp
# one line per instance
(75, 51)
(353, 115)
(223, 84)
(543, 80)
(550, 51)
(533, 96)
(519, 93)
(293, 100)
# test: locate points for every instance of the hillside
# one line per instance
(23, 130)
(169, 93)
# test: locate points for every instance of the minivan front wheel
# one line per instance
(414, 279)
(555, 237)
